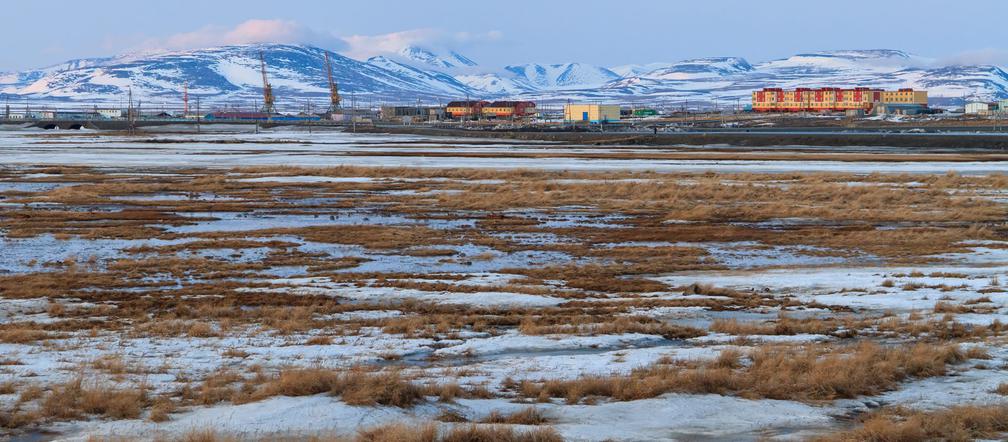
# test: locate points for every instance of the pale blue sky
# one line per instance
(512, 31)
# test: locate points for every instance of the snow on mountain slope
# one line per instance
(495, 84)
(733, 78)
(629, 70)
(871, 60)
(971, 82)
(430, 79)
(10, 82)
(561, 76)
(232, 73)
(428, 59)
(702, 68)
(461, 60)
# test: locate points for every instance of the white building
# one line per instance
(978, 108)
(42, 115)
(112, 114)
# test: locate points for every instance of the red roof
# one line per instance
(512, 104)
(470, 103)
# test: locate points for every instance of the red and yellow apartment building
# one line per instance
(832, 99)
(466, 109)
(509, 109)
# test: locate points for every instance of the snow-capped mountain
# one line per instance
(496, 84)
(231, 74)
(433, 80)
(561, 76)
(428, 59)
(733, 78)
(630, 70)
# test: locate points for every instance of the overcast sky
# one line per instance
(494, 33)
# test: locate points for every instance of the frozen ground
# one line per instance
(207, 287)
(339, 149)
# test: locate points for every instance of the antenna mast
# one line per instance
(185, 99)
(334, 97)
(268, 100)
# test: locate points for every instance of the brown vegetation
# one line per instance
(355, 387)
(807, 374)
(963, 423)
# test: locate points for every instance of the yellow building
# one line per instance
(905, 96)
(591, 113)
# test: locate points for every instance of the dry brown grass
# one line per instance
(393, 432)
(8, 387)
(1002, 389)
(161, 410)
(355, 387)
(963, 423)
(808, 374)
(784, 325)
(500, 433)
(399, 432)
(75, 399)
(460, 433)
(596, 325)
(527, 416)
(23, 334)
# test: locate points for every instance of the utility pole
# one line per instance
(129, 111)
(198, 115)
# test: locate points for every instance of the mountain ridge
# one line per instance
(231, 74)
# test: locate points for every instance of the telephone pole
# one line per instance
(198, 116)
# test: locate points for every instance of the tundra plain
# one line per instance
(264, 301)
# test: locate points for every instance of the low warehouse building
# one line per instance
(900, 109)
(111, 114)
(591, 113)
(978, 108)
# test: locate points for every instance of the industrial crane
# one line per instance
(269, 103)
(334, 97)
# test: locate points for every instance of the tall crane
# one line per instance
(334, 97)
(269, 103)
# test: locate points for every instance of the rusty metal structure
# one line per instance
(269, 102)
(334, 96)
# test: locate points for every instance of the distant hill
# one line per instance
(230, 74)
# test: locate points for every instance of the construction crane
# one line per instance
(269, 106)
(334, 97)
